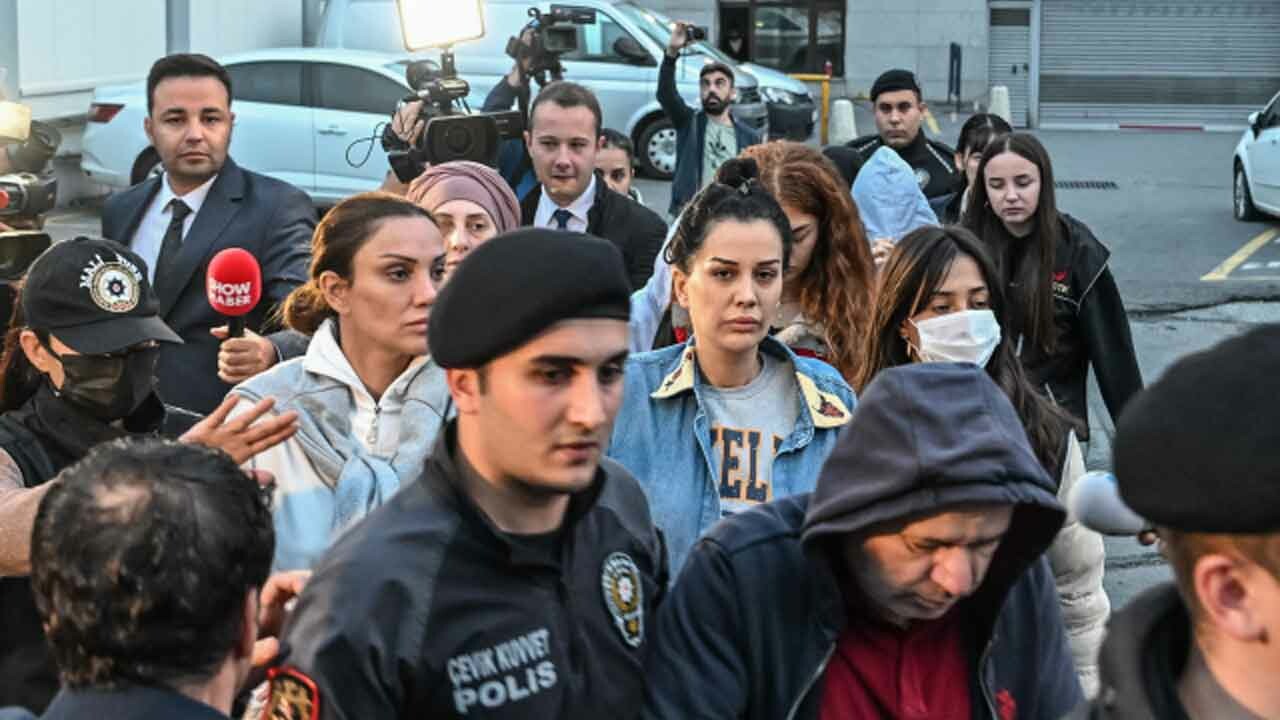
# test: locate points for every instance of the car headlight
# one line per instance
(780, 96)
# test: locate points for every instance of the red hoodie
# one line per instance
(883, 671)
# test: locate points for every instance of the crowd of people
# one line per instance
(501, 442)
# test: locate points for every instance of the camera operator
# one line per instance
(29, 156)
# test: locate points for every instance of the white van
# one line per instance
(626, 84)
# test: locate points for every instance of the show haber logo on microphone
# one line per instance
(234, 282)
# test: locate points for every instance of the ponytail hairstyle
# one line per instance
(21, 378)
(736, 194)
(836, 288)
(1026, 264)
(339, 236)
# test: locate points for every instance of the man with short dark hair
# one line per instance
(899, 111)
(1195, 456)
(204, 203)
(705, 138)
(517, 577)
(616, 161)
(563, 139)
(148, 558)
(910, 583)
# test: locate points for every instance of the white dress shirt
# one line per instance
(150, 235)
(578, 208)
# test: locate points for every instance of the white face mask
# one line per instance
(967, 336)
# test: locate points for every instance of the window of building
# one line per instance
(796, 36)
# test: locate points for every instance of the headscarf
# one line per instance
(466, 180)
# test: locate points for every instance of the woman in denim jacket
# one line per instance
(731, 418)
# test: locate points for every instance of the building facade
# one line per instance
(1066, 63)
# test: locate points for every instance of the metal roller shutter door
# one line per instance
(1009, 55)
(1165, 62)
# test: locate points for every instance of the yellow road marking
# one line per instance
(933, 123)
(1222, 271)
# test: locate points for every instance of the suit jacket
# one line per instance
(637, 231)
(271, 219)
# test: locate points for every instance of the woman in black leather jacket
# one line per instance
(1066, 311)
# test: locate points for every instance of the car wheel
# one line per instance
(146, 165)
(658, 149)
(1241, 199)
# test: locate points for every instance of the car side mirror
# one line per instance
(627, 48)
(1254, 117)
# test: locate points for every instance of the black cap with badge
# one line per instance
(94, 296)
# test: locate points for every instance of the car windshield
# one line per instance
(658, 27)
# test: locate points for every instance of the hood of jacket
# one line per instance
(888, 197)
(927, 437)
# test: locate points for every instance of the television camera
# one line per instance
(450, 130)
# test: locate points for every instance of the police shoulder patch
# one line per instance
(291, 695)
(624, 596)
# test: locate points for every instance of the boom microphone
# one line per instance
(1095, 501)
(234, 286)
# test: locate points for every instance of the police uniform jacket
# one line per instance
(426, 609)
(933, 162)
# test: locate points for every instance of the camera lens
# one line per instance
(458, 139)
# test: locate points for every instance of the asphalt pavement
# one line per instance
(1190, 274)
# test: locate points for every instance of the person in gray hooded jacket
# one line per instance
(910, 582)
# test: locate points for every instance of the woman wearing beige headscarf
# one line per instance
(470, 202)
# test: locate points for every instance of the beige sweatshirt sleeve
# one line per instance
(18, 507)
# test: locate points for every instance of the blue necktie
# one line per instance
(561, 217)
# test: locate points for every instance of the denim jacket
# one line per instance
(663, 436)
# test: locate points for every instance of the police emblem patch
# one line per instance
(114, 286)
(923, 177)
(291, 696)
(624, 596)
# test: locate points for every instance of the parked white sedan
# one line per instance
(1257, 165)
(303, 115)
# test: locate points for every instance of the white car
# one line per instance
(1256, 189)
(306, 116)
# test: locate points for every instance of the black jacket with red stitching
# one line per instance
(1092, 330)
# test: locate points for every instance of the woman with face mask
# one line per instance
(369, 403)
(976, 133)
(732, 417)
(470, 202)
(1066, 314)
(79, 369)
(941, 300)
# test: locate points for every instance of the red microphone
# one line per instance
(234, 286)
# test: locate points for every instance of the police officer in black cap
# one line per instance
(899, 111)
(517, 576)
(79, 370)
(1197, 455)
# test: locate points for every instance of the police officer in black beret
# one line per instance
(1197, 455)
(899, 111)
(517, 576)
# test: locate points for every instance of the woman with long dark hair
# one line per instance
(827, 289)
(941, 300)
(976, 133)
(731, 417)
(1066, 314)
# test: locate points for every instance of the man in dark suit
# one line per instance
(204, 203)
(562, 139)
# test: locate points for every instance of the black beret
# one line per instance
(517, 285)
(1199, 451)
(891, 80)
